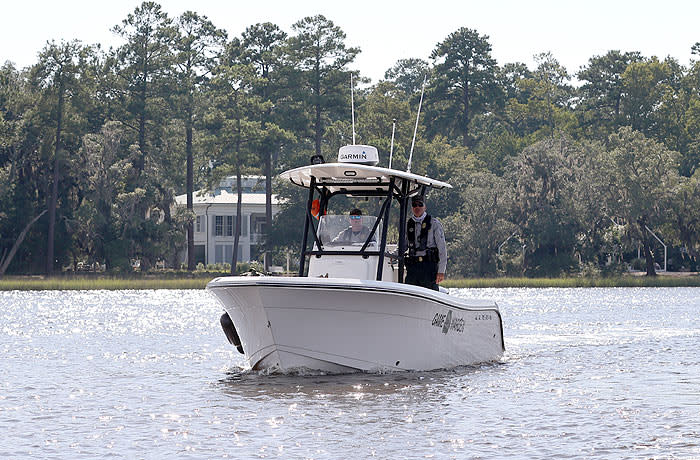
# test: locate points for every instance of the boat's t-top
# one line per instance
(355, 175)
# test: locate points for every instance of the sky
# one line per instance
(387, 31)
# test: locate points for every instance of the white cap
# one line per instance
(360, 154)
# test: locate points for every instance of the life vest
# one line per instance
(422, 236)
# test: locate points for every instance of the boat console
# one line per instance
(338, 258)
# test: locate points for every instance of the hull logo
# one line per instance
(447, 323)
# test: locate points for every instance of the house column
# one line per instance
(245, 252)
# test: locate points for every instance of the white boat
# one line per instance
(348, 310)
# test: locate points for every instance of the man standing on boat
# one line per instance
(427, 252)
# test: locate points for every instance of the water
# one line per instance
(588, 373)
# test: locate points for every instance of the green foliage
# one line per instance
(642, 175)
(408, 74)
(465, 82)
(480, 225)
(319, 53)
(603, 91)
(545, 174)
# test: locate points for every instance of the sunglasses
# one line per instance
(356, 217)
(418, 204)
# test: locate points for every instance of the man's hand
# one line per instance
(440, 278)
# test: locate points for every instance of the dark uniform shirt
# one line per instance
(436, 239)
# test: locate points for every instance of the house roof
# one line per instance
(224, 197)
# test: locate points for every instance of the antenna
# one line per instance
(391, 151)
(352, 107)
(415, 130)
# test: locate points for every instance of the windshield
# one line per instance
(346, 230)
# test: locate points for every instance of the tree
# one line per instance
(56, 73)
(543, 176)
(480, 225)
(642, 174)
(685, 214)
(408, 74)
(376, 110)
(465, 82)
(541, 106)
(318, 51)
(672, 117)
(233, 131)
(104, 169)
(263, 49)
(197, 45)
(143, 80)
(141, 67)
(552, 90)
(643, 84)
(602, 92)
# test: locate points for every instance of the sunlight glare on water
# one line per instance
(588, 373)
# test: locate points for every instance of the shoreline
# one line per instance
(40, 283)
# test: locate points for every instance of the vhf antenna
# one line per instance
(415, 130)
(352, 107)
(391, 151)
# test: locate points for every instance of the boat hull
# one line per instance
(346, 325)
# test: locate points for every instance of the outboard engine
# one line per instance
(230, 331)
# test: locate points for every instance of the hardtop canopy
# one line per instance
(341, 177)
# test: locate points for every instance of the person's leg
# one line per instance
(423, 274)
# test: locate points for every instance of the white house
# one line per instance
(216, 221)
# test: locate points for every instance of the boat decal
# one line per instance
(448, 323)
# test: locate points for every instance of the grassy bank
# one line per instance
(36, 283)
(621, 281)
(92, 283)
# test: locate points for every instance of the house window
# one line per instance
(198, 224)
(224, 225)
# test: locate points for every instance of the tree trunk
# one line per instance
(190, 185)
(54, 188)
(268, 210)
(141, 160)
(484, 257)
(239, 193)
(268, 199)
(267, 152)
(5, 260)
(465, 102)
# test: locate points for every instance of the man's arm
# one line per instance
(439, 235)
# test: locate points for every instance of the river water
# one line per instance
(588, 373)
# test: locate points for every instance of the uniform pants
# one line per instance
(422, 273)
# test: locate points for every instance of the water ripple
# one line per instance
(588, 373)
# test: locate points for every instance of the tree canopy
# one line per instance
(555, 170)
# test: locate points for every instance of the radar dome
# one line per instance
(359, 154)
